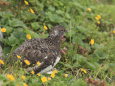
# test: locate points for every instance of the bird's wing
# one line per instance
(33, 50)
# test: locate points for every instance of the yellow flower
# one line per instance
(89, 9)
(83, 70)
(10, 77)
(28, 36)
(49, 78)
(24, 84)
(19, 57)
(55, 71)
(27, 62)
(32, 72)
(98, 17)
(26, 3)
(38, 74)
(3, 29)
(44, 79)
(52, 75)
(38, 63)
(23, 77)
(45, 27)
(113, 31)
(65, 75)
(31, 10)
(1, 61)
(98, 22)
(92, 42)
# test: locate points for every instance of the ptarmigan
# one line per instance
(45, 51)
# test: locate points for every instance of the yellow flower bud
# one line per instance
(28, 36)
(19, 57)
(3, 29)
(27, 62)
(65, 75)
(92, 42)
(89, 9)
(1, 61)
(83, 70)
(31, 10)
(26, 2)
(45, 27)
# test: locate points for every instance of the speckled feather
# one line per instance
(45, 50)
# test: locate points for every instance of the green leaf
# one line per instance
(6, 15)
(26, 16)
(54, 17)
(34, 25)
(12, 40)
(16, 23)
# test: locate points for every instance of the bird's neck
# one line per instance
(53, 40)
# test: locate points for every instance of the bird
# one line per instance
(46, 51)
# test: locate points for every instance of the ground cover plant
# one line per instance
(88, 57)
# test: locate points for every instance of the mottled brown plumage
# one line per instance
(45, 50)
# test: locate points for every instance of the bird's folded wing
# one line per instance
(32, 50)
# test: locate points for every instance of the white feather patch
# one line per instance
(47, 69)
(56, 32)
(46, 57)
(57, 60)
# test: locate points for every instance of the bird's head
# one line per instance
(57, 31)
